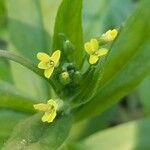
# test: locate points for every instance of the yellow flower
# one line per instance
(49, 109)
(92, 48)
(110, 35)
(48, 63)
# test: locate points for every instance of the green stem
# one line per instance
(26, 63)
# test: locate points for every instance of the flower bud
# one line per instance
(107, 37)
(64, 78)
(68, 45)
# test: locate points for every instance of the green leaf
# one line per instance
(8, 119)
(103, 15)
(27, 36)
(49, 10)
(84, 94)
(2, 14)
(36, 135)
(13, 99)
(129, 136)
(144, 94)
(99, 122)
(127, 64)
(5, 73)
(68, 22)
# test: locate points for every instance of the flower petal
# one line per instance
(43, 56)
(56, 56)
(91, 46)
(49, 116)
(94, 44)
(88, 48)
(114, 33)
(48, 72)
(42, 65)
(110, 35)
(102, 51)
(93, 59)
(41, 107)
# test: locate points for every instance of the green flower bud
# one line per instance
(68, 45)
(64, 78)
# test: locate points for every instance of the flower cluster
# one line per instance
(92, 47)
(49, 63)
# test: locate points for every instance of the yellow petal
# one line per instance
(94, 44)
(93, 59)
(114, 33)
(48, 72)
(88, 48)
(42, 56)
(102, 51)
(108, 32)
(110, 35)
(56, 56)
(52, 103)
(41, 107)
(49, 116)
(43, 65)
(91, 46)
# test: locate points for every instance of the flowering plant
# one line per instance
(54, 83)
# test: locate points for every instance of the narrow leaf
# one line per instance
(68, 22)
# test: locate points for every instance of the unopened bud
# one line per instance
(68, 45)
(64, 78)
(109, 36)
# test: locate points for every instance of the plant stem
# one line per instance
(26, 63)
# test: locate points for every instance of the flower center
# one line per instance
(50, 63)
(51, 108)
(95, 53)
